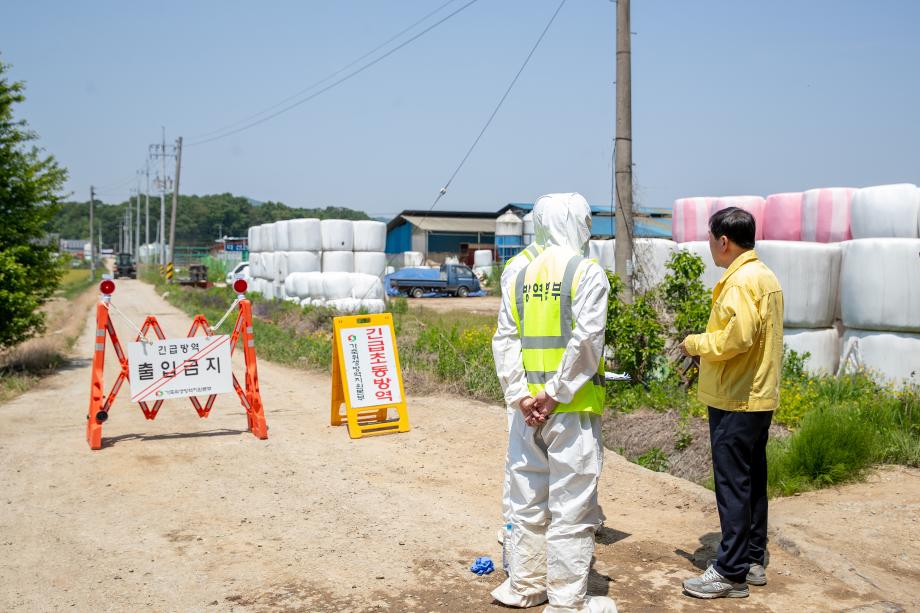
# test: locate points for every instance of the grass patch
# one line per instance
(74, 282)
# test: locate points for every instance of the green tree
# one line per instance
(30, 182)
(633, 333)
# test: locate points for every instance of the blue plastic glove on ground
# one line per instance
(482, 566)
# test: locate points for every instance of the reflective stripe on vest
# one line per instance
(547, 329)
(532, 251)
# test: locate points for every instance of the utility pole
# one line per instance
(623, 253)
(159, 150)
(92, 260)
(175, 202)
(147, 203)
(137, 223)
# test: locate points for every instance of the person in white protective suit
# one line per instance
(551, 339)
(516, 388)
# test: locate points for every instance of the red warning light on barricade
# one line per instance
(240, 286)
(107, 287)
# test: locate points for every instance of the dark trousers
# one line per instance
(739, 466)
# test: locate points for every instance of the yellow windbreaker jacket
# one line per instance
(741, 352)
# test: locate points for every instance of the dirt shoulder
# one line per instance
(187, 514)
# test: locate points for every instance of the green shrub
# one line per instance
(653, 459)
(634, 333)
(684, 296)
(461, 357)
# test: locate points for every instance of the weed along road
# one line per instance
(185, 514)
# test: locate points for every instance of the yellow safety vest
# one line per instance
(542, 309)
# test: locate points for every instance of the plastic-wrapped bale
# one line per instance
(690, 219)
(603, 251)
(252, 239)
(712, 273)
(892, 356)
(886, 211)
(650, 256)
(318, 302)
(370, 262)
(290, 286)
(303, 261)
(278, 290)
(482, 257)
(280, 230)
(305, 235)
(413, 258)
(826, 214)
(782, 217)
(304, 284)
(338, 235)
(366, 287)
(823, 345)
(369, 235)
(880, 284)
(809, 274)
(337, 285)
(375, 305)
(267, 237)
(752, 204)
(255, 264)
(268, 266)
(344, 305)
(281, 265)
(338, 261)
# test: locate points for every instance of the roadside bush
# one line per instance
(684, 296)
(460, 357)
(634, 334)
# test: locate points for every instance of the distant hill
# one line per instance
(200, 220)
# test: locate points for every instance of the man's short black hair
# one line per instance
(736, 224)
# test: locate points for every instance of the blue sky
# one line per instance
(730, 97)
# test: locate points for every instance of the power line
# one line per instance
(498, 106)
(336, 82)
(324, 79)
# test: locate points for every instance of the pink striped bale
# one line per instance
(826, 214)
(690, 219)
(752, 204)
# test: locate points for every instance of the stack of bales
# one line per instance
(346, 260)
(849, 264)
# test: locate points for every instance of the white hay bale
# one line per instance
(482, 257)
(823, 345)
(305, 235)
(252, 236)
(337, 285)
(304, 284)
(267, 237)
(880, 284)
(338, 261)
(826, 214)
(650, 256)
(338, 235)
(366, 287)
(344, 305)
(373, 306)
(369, 235)
(604, 252)
(303, 261)
(268, 266)
(752, 204)
(412, 259)
(886, 211)
(280, 230)
(690, 219)
(712, 273)
(893, 357)
(255, 265)
(278, 290)
(371, 262)
(290, 286)
(809, 274)
(318, 303)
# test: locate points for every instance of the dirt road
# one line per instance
(183, 514)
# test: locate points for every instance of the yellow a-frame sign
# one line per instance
(366, 376)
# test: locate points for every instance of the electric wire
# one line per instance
(497, 107)
(324, 79)
(337, 82)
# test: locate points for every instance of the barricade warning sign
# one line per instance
(366, 376)
(179, 367)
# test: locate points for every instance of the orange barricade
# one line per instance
(100, 403)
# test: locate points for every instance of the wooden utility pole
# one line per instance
(623, 254)
(175, 202)
(92, 260)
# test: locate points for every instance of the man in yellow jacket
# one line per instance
(741, 356)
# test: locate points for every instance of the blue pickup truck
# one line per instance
(454, 279)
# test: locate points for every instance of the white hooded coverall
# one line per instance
(554, 467)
